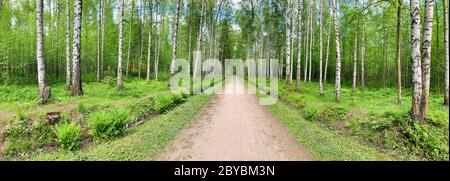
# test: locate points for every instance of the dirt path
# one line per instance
(234, 127)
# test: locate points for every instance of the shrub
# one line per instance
(68, 135)
(42, 134)
(141, 108)
(110, 81)
(337, 113)
(428, 140)
(17, 128)
(310, 113)
(81, 108)
(17, 136)
(107, 124)
(165, 102)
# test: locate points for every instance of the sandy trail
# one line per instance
(234, 127)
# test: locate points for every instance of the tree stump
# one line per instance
(52, 117)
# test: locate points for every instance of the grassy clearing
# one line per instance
(93, 117)
(372, 117)
(321, 143)
(141, 143)
(24, 99)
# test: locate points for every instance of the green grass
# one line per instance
(15, 99)
(141, 143)
(321, 143)
(371, 117)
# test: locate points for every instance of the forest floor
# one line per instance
(302, 125)
(22, 100)
(370, 125)
(234, 127)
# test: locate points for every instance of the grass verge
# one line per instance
(141, 143)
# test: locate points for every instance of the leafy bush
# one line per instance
(81, 108)
(68, 135)
(165, 102)
(140, 109)
(425, 139)
(310, 113)
(41, 134)
(110, 81)
(107, 124)
(337, 113)
(17, 136)
(17, 128)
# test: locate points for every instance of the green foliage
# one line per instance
(16, 136)
(425, 139)
(41, 134)
(17, 128)
(107, 124)
(140, 108)
(81, 108)
(374, 118)
(68, 135)
(165, 102)
(17, 93)
(108, 80)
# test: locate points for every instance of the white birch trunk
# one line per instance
(328, 48)
(288, 42)
(355, 62)
(129, 41)
(149, 50)
(197, 66)
(426, 57)
(76, 81)
(446, 94)
(299, 47)
(175, 32)
(415, 55)
(311, 45)
(307, 45)
(119, 61)
(44, 91)
(98, 38)
(399, 73)
(337, 90)
(68, 62)
(321, 47)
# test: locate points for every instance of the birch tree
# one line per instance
(68, 62)
(288, 42)
(320, 42)
(337, 90)
(355, 61)
(399, 69)
(197, 66)
(328, 48)
(129, 40)
(426, 57)
(99, 16)
(299, 47)
(415, 55)
(363, 50)
(149, 47)
(311, 43)
(44, 91)
(446, 93)
(175, 32)
(141, 36)
(103, 19)
(158, 12)
(119, 61)
(76, 81)
(308, 31)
